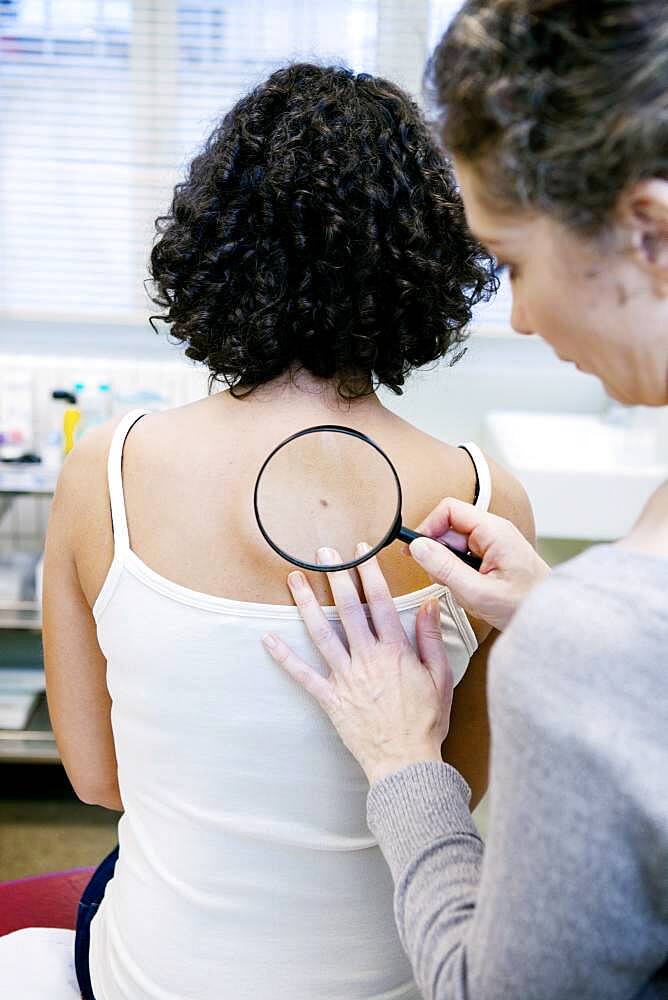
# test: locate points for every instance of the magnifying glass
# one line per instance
(348, 492)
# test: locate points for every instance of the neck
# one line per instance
(298, 387)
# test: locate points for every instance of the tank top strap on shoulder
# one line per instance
(115, 479)
(483, 493)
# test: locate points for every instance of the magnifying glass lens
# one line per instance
(330, 489)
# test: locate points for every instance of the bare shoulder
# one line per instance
(450, 473)
(431, 469)
(80, 522)
(84, 472)
(510, 500)
(85, 468)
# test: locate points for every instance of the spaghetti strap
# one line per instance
(115, 479)
(483, 495)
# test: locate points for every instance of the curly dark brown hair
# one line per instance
(319, 227)
(559, 104)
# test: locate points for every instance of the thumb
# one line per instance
(444, 567)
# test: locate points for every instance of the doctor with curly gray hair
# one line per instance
(556, 115)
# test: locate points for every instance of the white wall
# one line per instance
(496, 373)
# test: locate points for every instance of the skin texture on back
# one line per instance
(188, 475)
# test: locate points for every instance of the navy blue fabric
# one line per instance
(92, 897)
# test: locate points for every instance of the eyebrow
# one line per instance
(487, 240)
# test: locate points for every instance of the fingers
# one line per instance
(431, 648)
(437, 522)
(347, 602)
(468, 586)
(453, 518)
(429, 638)
(383, 610)
(310, 680)
(487, 535)
(325, 639)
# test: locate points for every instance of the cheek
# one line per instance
(563, 310)
(550, 308)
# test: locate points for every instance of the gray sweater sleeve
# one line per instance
(569, 900)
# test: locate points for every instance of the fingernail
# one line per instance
(362, 549)
(419, 548)
(296, 581)
(327, 557)
(435, 611)
(270, 641)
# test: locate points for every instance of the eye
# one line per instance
(503, 266)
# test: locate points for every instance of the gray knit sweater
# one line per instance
(569, 898)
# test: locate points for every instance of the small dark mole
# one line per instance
(324, 503)
(622, 294)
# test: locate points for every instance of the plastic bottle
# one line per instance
(94, 403)
(53, 448)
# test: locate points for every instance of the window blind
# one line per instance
(104, 102)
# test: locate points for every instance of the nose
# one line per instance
(518, 317)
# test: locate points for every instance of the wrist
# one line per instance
(390, 765)
(516, 595)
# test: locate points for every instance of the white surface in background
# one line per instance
(574, 442)
(587, 478)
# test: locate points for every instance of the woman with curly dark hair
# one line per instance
(319, 228)
(316, 250)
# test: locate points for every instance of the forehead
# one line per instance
(486, 221)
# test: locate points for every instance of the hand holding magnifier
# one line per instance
(349, 492)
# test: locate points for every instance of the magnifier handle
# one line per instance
(406, 535)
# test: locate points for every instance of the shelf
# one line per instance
(21, 614)
(34, 745)
(17, 479)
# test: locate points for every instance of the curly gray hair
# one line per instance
(560, 105)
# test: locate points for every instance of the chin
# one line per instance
(614, 393)
(627, 397)
(636, 395)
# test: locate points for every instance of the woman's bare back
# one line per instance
(188, 478)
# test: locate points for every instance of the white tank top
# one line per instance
(246, 868)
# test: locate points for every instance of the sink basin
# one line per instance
(587, 478)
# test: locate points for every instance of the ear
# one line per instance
(643, 211)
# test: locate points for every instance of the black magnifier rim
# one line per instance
(318, 567)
